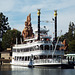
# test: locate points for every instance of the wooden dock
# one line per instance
(5, 61)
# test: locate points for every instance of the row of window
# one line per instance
(28, 58)
(41, 47)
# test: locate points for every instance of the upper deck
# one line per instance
(32, 44)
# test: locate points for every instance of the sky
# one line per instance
(18, 10)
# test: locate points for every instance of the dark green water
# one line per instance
(8, 70)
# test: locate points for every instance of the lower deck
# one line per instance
(53, 63)
(38, 62)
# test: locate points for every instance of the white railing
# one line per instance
(42, 52)
(47, 61)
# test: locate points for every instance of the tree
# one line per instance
(70, 37)
(70, 34)
(72, 46)
(3, 24)
(0, 46)
(9, 38)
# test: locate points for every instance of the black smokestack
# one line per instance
(38, 24)
(55, 14)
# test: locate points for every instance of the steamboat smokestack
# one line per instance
(55, 14)
(38, 24)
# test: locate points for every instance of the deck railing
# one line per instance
(47, 61)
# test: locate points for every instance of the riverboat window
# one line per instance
(22, 58)
(25, 58)
(18, 58)
(31, 41)
(18, 50)
(35, 57)
(49, 56)
(28, 58)
(50, 47)
(46, 47)
(41, 56)
(41, 47)
(44, 56)
(15, 58)
(58, 47)
(30, 48)
(37, 47)
(33, 48)
(26, 49)
(23, 50)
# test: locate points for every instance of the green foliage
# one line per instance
(72, 46)
(0, 46)
(70, 37)
(3, 27)
(3, 24)
(9, 38)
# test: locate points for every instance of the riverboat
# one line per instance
(33, 52)
(39, 50)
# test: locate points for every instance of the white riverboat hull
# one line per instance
(38, 63)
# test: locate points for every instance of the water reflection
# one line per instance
(5, 67)
(18, 70)
(35, 71)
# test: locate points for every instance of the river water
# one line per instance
(17, 70)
